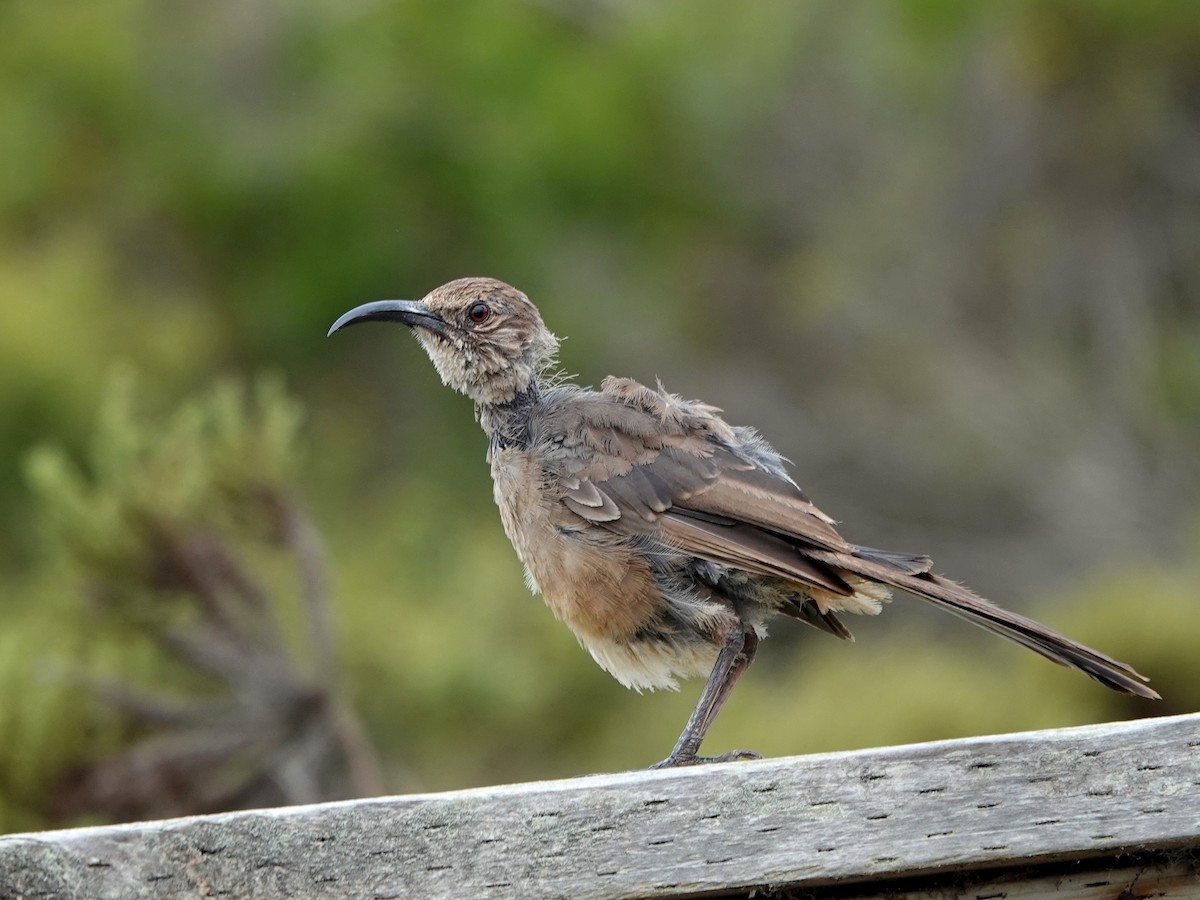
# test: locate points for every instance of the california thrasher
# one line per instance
(662, 536)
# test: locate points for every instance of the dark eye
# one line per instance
(479, 313)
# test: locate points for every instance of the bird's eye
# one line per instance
(479, 313)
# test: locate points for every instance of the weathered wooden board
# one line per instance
(1169, 875)
(876, 817)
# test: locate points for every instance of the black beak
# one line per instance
(412, 313)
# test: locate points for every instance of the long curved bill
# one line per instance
(412, 313)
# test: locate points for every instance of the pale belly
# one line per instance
(593, 582)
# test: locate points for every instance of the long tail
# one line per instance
(911, 574)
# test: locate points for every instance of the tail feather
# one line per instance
(964, 603)
(811, 614)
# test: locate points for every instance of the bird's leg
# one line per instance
(734, 659)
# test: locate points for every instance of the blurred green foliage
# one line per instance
(211, 462)
(941, 253)
(193, 552)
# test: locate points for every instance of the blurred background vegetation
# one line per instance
(943, 254)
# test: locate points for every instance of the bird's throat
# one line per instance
(507, 423)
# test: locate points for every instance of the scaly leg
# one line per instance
(734, 659)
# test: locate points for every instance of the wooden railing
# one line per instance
(1104, 811)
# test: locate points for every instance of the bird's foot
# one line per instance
(691, 759)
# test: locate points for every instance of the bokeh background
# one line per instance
(944, 254)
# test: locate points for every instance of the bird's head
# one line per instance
(486, 339)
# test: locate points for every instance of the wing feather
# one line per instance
(750, 549)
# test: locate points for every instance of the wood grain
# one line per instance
(1008, 809)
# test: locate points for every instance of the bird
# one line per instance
(662, 536)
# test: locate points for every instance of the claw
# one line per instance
(673, 761)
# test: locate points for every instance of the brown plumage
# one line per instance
(662, 536)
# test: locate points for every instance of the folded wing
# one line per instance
(655, 463)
